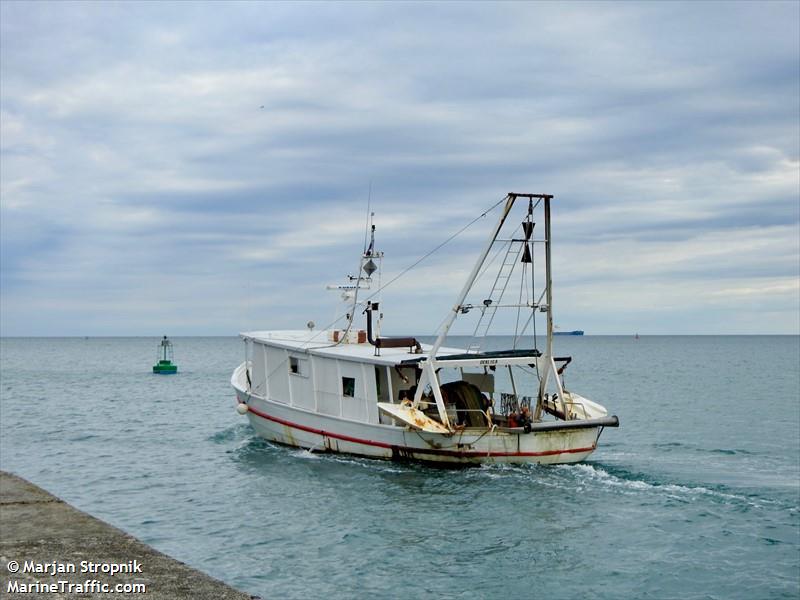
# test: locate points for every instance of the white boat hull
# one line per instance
(278, 422)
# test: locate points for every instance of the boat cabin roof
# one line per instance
(318, 343)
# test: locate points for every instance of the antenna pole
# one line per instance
(369, 203)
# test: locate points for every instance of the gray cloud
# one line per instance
(207, 165)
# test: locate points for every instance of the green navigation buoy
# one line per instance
(165, 366)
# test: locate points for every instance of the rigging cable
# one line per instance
(448, 240)
(406, 270)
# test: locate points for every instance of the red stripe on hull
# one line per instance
(464, 454)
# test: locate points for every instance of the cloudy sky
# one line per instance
(198, 169)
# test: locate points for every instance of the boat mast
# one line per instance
(429, 365)
(367, 265)
(510, 199)
(549, 281)
(550, 368)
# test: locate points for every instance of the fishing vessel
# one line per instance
(164, 358)
(349, 389)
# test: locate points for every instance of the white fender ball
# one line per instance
(241, 408)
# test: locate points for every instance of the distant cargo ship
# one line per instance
(576, 332)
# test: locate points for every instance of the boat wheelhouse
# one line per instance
(353, 391)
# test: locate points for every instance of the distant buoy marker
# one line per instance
(164, 364)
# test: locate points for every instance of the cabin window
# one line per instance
(298, 366)
(348, 386)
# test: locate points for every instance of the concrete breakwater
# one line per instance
(50, 550)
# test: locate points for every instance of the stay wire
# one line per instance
(407, 269)
(448, 240)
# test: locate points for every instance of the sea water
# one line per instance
(696, 495)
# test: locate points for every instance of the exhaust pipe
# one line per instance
(402, 342)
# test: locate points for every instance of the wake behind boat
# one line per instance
(350, 390)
